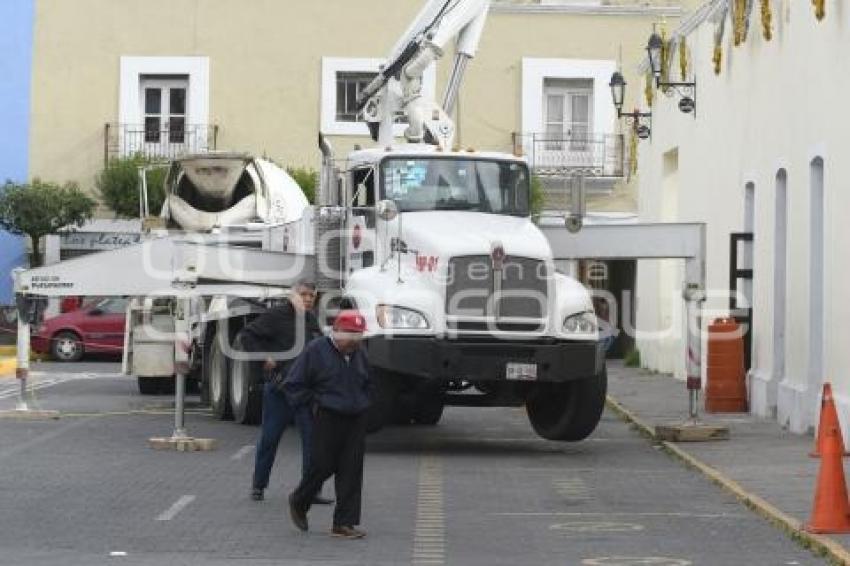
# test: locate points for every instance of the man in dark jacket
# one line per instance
(280, 334)
(332, 376)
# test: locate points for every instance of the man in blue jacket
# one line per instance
(280, 334)
(332, 377)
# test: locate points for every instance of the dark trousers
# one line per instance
(339, 442)
(277, 415)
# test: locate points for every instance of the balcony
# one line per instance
(560, 156)
(122, 140)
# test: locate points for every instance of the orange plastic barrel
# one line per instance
(726, 391)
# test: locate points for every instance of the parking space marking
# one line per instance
(40, 380)
(572, 488)
(242, 452)
(429, 545)
(635, 561)
(623, 514)
(178, 506)
(596, 527)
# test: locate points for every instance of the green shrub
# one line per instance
(536, 198)
(632, 358)
(118, 185)
(37, 209)
(307, 178)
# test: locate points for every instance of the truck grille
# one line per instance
(471, 292)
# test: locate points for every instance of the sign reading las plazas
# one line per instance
(97, 241)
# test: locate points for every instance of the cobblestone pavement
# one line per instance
(478, 489)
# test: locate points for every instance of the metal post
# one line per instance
(182, 345)
(23, 361)
(694, 361)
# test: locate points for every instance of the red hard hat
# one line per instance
(350, 321)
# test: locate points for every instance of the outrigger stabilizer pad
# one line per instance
(182, 444)
(691, 432)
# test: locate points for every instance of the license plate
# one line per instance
(521, 372)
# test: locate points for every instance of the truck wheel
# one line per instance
(428, 410)
(219, 382)
(245, 393)
(567, 411)
(148, 385)
(384, 402)
(428, 405)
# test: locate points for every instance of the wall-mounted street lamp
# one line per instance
(686, 91)
(640, 121)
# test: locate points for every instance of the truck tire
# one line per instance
(148, 385)
(246, 397)
(384, 402)
(428, 405)
(567, 411)
(428, 410)
(219, 382)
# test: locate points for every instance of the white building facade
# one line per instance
(764, 154)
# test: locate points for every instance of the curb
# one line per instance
(7, 367)
(822, 544)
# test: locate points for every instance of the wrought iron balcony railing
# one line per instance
(161, 142)
(563, 155)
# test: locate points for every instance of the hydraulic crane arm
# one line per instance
(398, 86)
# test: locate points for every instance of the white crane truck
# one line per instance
(434, 245)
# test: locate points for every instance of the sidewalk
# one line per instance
(7, 361)
(766, 467)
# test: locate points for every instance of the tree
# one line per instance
(40, 208)
(118, 185)
(307, 179)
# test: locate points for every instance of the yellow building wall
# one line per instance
(265, 68)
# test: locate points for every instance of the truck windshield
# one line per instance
(449, 183)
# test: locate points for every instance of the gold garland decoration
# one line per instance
(666, 48)
(683, 58)
(647, 89)
(633, 148)
(719, 30)
(820, 8)
(740, 18)
(717, 58)
(766, 20)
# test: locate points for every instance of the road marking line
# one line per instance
(178, 506)
(429, 546)
(622, 514)
(242, 452)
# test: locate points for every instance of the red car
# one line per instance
(94, 328)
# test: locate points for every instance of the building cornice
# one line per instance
(589, 9)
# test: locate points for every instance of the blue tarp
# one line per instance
(16, 27)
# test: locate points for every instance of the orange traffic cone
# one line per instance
(831, 508)
(828, 415)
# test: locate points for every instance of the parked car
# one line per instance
(94, 328)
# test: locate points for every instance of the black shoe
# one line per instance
(347, 532)
(299, 518)
(319, 500)
(257, 494)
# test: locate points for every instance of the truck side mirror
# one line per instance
(386, 210)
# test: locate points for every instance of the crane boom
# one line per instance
(398, 86)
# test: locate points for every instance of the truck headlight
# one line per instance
(397, 317)
(581, 323)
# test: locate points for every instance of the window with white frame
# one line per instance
(163, 107)
(163, 100)
(349, 85)
(567, 113)
(342, 81)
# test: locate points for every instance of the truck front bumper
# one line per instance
(472, 360)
